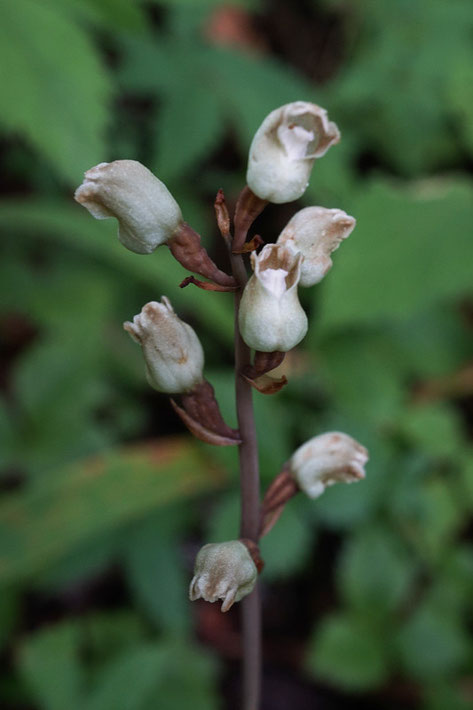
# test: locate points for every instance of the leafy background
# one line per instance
(105, 500)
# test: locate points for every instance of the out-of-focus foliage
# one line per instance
(388, 358)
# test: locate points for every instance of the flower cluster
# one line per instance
(271, 320)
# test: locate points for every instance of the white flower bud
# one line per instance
(271, 317)
(147, 213)
(224, 571)
(316, 232)
(173, 354)
(327, 459)
(284, 149)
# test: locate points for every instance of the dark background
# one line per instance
(367, 591)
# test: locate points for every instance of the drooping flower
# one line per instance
(224, 571)
(284, 149)
(172, 351)
(270, 316)
(316, 232)
(147, 213)
(327, 459)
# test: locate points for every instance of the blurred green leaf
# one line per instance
(286, 548)
(411, 249)
(49, 662)
(155, 571)
(60, 92)
(394, 80)
(375, 572)
(65, 224)
(435, 428)
(189, 127)
(130, 681)
(347, 652)
(432, 644)
(61, 511)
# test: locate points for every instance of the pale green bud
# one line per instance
(223, 570)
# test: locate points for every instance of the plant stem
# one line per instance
(250, 502)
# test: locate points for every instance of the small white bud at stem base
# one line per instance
(223, 571)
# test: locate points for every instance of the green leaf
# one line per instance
(55, 90)
(364, 371)
(189, 127)
(375, 572)
(432, 644)
(286, 548)
(411, 249)
(129, 682)
(155, 571)
(60, 512)
(435, 428)
(347, 653)
(190, 680)
(74, 229)
(49, 663)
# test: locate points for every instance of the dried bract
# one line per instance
(316, 232)
(147, 213)
(327, 459)
(284, 149)
(173, 354)
(224, 571)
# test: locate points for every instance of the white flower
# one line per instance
(316, 232)
(270, 316)
(224, 571)
(284, 149)
(327, 459)
(147, 213)
(173, 354)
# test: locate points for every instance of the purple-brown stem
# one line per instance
(250, 501)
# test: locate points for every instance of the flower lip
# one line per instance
(305, 131)
(277, 258)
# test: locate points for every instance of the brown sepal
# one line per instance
(252, 245)
(201, 414)
(256, 374)
(248, 207)
(266, 384)
(223, 216)
(281, 490)
(201, 432)
(186, 247)
(206, 285)
(253, 549)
